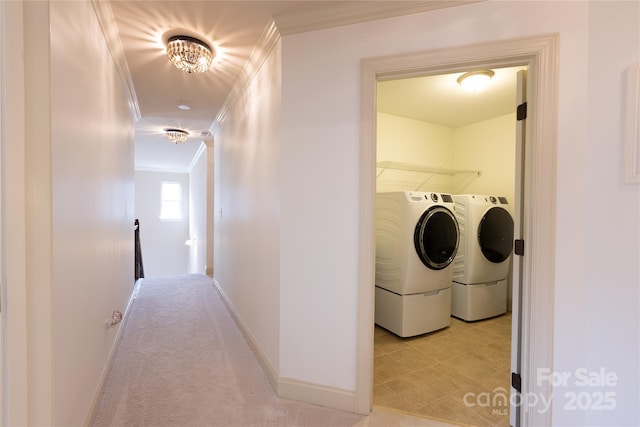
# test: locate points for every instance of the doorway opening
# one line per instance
(437, 139)
(534, 296)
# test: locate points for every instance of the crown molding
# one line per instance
(357, 12)
(267, 41)
(316, 19)
(107, 21)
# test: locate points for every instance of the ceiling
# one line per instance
(440, 100)
(233, 28)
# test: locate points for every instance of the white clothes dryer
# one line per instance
(481, 266)
(416, 242)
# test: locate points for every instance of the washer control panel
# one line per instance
(501, 200)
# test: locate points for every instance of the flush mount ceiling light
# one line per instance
(177, 136)
(475, 80)
(189, 54)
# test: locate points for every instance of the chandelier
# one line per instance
(177, 136)
(189, 54)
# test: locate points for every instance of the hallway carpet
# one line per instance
(182, 361)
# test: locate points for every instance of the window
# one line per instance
(171, 201)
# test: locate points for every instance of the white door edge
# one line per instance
(516, 306)
(3, 371)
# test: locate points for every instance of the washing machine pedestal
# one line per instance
(479, 301)
(415, 314)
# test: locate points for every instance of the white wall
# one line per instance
(77, 233)
(198, 212)
(490, 147)
(210, 209)
(487, 146)
(320, 119)
(162, 241)
(247, 209)
(612, 213)
(400, 139)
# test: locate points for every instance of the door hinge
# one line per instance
(516, 382)
(521, 112)
(519, 247)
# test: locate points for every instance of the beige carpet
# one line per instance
(182, 361)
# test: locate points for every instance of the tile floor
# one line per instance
(460, 373)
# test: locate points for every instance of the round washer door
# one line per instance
(495, 235)
(436, 237)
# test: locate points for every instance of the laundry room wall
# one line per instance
(405, 140)
(488, 146)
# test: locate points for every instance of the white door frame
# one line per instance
(2, 280)
(13, 371)
(539, 54)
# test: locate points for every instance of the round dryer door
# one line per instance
(436, 237)
(495, 235)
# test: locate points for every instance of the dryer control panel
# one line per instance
(501, 200)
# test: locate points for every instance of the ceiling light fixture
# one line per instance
(475, 80)
(184, 106)
(177, 136)
(189, 54)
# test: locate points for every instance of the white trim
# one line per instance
(268, 40)
(39, 212)
(15, 325)
(315, 19)
(317, 394)
(540, 54)
(261, 356)
(97, 394)
(632, 126)
(355, 12)
(107, 21)
(3, 295)
(289, 388)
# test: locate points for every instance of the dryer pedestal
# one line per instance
(416, 314)
(479, 301)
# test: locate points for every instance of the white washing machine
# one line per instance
(416, 243)
(481, 266)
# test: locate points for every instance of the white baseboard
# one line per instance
(264, 362)
(317, 394)
(109, 362)
(290, 388)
